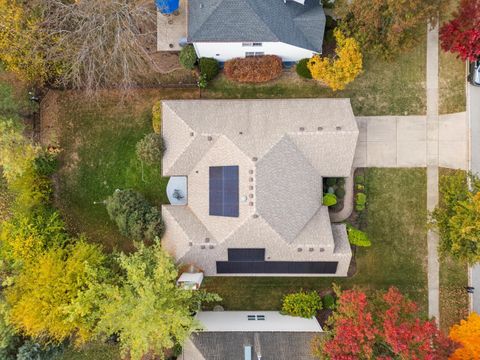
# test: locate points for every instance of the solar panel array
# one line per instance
(223, 192)
(277, 267)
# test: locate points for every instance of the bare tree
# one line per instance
(101, 43)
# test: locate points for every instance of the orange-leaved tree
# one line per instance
(467, 334)
(343, 68)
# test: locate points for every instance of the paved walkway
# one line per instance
(433, 152)
(401, 141)
(473, 105)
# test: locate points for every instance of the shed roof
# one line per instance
(257, 20)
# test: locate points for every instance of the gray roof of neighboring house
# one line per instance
(230, 345)
(257, 20)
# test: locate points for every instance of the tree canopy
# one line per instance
(146, 308)
(467, 334)
(386, 27)
(389, 326)
(461, 35)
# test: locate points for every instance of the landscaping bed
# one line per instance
(396, 225)
(97, 141)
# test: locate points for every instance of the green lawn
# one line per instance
(452, 76)
(384, 88)
(98, 139)
(453, 279)
(397, 226)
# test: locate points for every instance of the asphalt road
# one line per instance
(474, 113)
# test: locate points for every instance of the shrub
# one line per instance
(331, 181)
(340, 193)
(157, 117)
(133, 215)
(46, 164)
(208, 67)
(254, 69)
(329, 199)
(360, 187)
(358, 237)
(150, 149)
(302, 69)
(361, 199)
(188, 57)
(360, 179)
(340, 181)
(303, 304)
(33, 351)
(202, 81)
(328, 302)
(359, 208)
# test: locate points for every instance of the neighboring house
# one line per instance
(226, 29)
(251, 335)
(252, 199)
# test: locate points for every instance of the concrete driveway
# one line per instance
(401, 141)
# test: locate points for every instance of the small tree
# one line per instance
(329, 199)
(467, 334)
(188, 57)
(208, 67)
(342, 70)
(150, 149)
(134, 216)
(303, 304)
(461, 35)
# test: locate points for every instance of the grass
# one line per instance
(98, 156)
(384, 88)
(452, 76)
(453, 279)
(397, 227)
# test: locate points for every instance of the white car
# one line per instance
(474, 72)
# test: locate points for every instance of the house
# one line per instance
(248, 335)
(226, 29)
(253, 173)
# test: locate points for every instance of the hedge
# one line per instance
(361, 199)
(208, 67)
(157, 117)
(340, 193)
(330, 181)
(256, 69)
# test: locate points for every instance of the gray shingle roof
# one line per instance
(257, 20)
(230, 345)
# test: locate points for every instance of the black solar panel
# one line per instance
(223, 192)
(277, 267)
(246, 254)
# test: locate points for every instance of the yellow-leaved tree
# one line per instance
(467, 334)
(343, 68)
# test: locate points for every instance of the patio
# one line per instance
(172, 28)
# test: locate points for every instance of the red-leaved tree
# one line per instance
(462, 34)
(389, 327)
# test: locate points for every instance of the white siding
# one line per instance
(223, 51)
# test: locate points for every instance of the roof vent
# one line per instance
(299, 249)
(254, 158)
(209, 138)
(192, 134)
(320, 128)
(190, 243)
(255, 216)
(322, 249)
(250, 187)
(250, 179)
(250, 203)
(211, 246)
(310, 249)
(250, 171)
(250, 196)
(240, 133)
(207, 240)
(302, 129)
(338, 128)
(202, 247)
